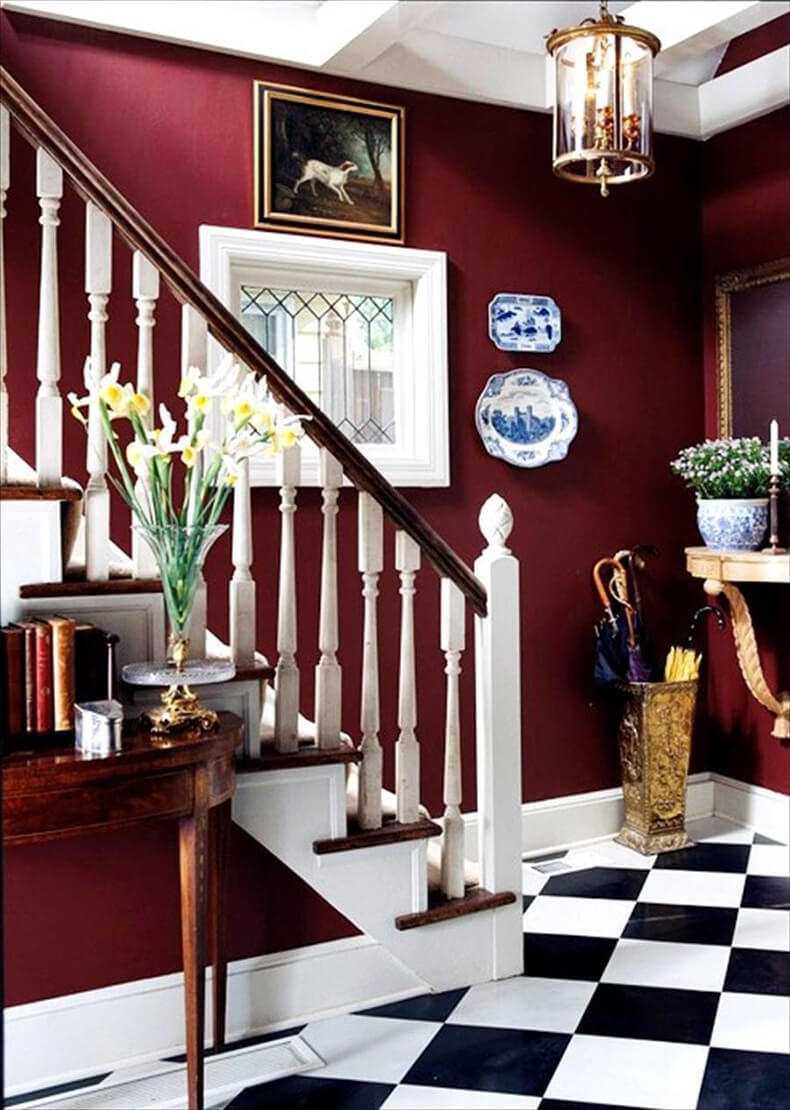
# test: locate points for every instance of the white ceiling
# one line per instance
(490, 50)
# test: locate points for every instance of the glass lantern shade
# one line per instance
(603, 112)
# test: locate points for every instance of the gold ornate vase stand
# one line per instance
(655, 746)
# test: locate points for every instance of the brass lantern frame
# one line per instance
(606, 24)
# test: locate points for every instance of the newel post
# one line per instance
(498, 720)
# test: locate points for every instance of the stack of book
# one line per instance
(46, 665)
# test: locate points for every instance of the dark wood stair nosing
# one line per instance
(445, 909)
(72, 587)
(16, 491)
(307, 756)
(391, 832)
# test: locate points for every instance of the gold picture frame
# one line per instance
(736, 281)
(295, 190)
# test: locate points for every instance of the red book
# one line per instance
(12, 645)
(45, 707)
(29, 629)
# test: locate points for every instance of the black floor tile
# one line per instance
(684, 924)
(598, 882)
(58, 1089)
(756, 971)
(760, 839)
(426, 1007)
(298, 1092)
(768, 893)
(651, 1013)
(745, 1081)
(512, 1061)
(550, 956)
(706, 857)
(526, 901)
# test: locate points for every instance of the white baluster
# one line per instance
(5, 181)
(145, 290)
(98, 283)
(328, 673)
(407, 749)
(371, 563)
(286, 682)
(194, 352)
(242, 584)
(453, 641)
(49, 407)
(498, 728)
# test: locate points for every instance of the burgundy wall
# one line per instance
(746, 221)
(172, 128)
(755, 43)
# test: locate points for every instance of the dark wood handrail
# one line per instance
(92, 185)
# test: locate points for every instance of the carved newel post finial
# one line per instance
(496, 523)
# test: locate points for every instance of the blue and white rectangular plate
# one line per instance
(524, 322)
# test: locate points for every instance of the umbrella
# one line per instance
(611, 633)
(639, 670)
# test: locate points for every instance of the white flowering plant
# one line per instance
(179, 533)
(726, 468)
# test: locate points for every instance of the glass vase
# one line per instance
(180, 552)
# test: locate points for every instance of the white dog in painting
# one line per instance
(334, 177)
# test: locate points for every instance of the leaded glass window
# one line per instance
(338, 347)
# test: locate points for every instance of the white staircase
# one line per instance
(402, 879)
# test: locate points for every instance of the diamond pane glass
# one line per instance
(339, 349)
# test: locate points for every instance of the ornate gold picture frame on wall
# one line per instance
(327, 164)
(753, 349)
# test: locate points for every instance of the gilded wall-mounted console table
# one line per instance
(721, 570)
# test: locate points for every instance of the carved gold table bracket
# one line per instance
(721, 569)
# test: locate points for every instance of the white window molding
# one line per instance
(417, 282)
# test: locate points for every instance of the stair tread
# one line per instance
(307, 756)
(391, 832)
(441, 908)
(82, 588)
(19, 492)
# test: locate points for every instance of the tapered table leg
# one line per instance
(219, 835)
(193, 837)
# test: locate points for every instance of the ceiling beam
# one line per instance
(745, 93)
(371, 41)
(689, 28)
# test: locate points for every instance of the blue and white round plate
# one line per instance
(526, 418)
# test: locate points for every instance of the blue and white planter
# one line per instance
(732, 525)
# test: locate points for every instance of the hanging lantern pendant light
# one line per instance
(603, 106)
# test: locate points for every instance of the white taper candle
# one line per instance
(774, 447)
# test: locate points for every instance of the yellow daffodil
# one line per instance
(189, 456)
(242, 410)
(200, 402)
(113, 395)
(189, 381)
(140, 403)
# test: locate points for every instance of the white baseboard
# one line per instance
(767, 811)
(78, 1035)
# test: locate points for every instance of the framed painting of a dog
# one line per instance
(327, 164)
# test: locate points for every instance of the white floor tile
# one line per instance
(374, 1050)
(692, 888)
(763, 929)
(653, 963)
(550, 1005)
(752, 1022)
(630, 1072)
(617, 855)
(769, 859)
(717, 830)
(409, 1097)
(578, 917)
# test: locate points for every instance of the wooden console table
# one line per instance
(50, 793)
(721, 570)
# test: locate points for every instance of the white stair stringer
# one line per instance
(288, 810)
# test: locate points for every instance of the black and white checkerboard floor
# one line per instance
(650, 982)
